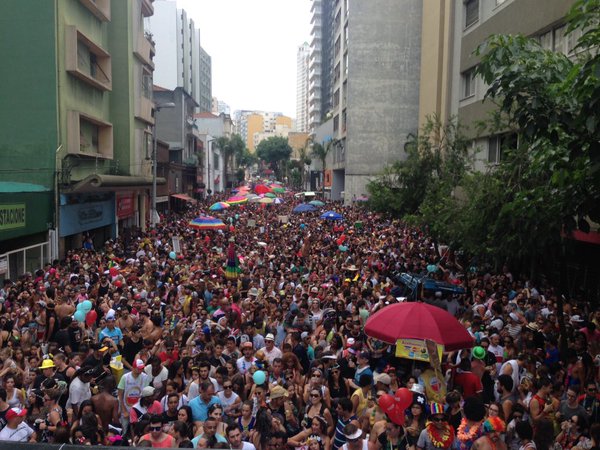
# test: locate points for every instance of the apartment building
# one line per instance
(364, 77)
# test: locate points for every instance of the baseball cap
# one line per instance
(350, 342)
(148, 391)
(304, 335)
(576, 318)
(139, 364)
(246, 344)
(269, 337)
(383, 378)
(514, 317)
(15, 412)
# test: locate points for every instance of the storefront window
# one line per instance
(33, 259)
(16, 263)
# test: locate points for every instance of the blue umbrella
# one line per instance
(304, 207)
(331, 215)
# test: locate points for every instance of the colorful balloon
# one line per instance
(118, 283)
(404, 398)
(259, 377)
(90, 318)
(172, 255)
(86, 305)
(79, 316)
(113, 272)
(389, 406)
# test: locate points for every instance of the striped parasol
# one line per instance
(219, 206)
(207, 223)
(236, 200)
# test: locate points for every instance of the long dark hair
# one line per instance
(544, 434)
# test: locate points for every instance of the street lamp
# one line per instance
(153, 213)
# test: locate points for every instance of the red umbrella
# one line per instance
(262, 189)
(412, 320)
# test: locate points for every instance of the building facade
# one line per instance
(87, 152)
(302, 64)
(368, 55)
(180, 59)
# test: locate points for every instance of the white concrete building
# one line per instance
(180, 61)
(302, 64)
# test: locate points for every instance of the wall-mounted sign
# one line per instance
(12, 216)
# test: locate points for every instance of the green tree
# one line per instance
(274, 151)
(436, 160)
(320, 152)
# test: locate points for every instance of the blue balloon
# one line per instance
(172, 255)
(431, 268)
(302, 226)
(86, 306)
(237, 216)
(259, 377)
(80, 306)
(79, 315)
(343, 248)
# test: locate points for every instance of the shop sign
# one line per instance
(125, 206)
(12, 216)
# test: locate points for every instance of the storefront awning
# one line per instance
(184, 197)
(98, 181)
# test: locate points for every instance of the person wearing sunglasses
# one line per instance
(156, 436)
(438, 433)
(231, 401)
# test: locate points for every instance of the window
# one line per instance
(471, 12)
(147, 84)
(86, 60)
(89, 136)
(497, 145)
(468, 84)
(99, 8)
(215, 161)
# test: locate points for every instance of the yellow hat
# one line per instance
(47, 364)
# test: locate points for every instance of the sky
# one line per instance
(253, 46)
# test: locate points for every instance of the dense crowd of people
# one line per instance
(171, 352)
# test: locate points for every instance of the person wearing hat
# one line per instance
(146, 406)
(493, 427)
(270, 351)
(247, 359)
(111, 330)
(99, 356)
(382, 382)
(48, 369)
(130, 390)
(278, 403)
(438, 433)
(354, 440)
(16, 430)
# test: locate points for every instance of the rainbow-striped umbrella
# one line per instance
(236, 200)
(219, 206)
(207, 223)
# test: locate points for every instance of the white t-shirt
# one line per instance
(225, 401)
(248, 446)
(132, 388)
(159, 380)
(20, 434)
(78, 392)
(271, 355)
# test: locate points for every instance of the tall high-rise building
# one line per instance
(364, 77)
(302, 64)
(180, 60)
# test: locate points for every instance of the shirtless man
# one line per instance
(492, 428)
(64, 306)
(105, 404)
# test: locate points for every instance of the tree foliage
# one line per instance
(274, 151)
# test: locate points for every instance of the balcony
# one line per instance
(89, 136)
(99, 8)
(144, 49)
(86, 60)
(144, 110)
(147, 8)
